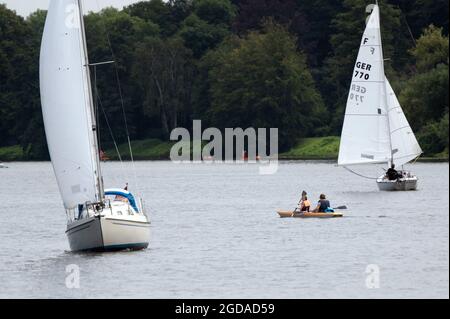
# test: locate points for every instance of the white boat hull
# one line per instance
(104, 233)
(108, 234)
(402, 184)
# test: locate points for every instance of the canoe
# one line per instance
(288, 214)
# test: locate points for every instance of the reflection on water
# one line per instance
(215, 233)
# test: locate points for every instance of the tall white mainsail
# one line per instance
(365, 135)
(375, 127)
(405, 147)
(67, 105)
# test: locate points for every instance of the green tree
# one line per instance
(309, 20)
(14, 64)
(215, 11)
(425, 95)
(166, 15)
(114, 35)
(421, 13)
(262, 81)
(33, 139)
(434, 137)
(431, 49)
(163, 71)
(207, 26)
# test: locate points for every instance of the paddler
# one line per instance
(304, 204)
(323, 206)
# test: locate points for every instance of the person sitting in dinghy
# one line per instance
(323, 206)
(392, 173)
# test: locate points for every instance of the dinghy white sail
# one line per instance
(97, 219)
(375, 129)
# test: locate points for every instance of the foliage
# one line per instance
(277, 63)
(207, 26)
(11, 153)
(150, 149)
(314, 148)
(262, 81)
(431, 49)
(425, 95)
(164, 76)
(434, 136)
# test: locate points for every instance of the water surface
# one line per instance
(215, 234)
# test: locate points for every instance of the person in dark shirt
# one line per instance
(323, 205)
(392, 173)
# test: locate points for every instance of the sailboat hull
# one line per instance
(403, 184)
(101, 233)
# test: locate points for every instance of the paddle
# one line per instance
(295, 209)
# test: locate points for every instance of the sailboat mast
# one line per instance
(385, 94)
(94, 140)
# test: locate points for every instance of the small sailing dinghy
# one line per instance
(375, 129)
(98, 219)
(291, 214)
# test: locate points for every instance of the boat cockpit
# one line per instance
(117, 202)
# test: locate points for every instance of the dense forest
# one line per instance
(233, 63)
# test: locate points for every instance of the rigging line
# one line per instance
(112, 135)
(110, 129)
(122, 103)
(407, 25)
(415, 161)
(97, 113)
(360, 175)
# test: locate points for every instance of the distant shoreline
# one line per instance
(306, 149)
(281, 159)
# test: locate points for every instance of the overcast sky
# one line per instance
(25, 7)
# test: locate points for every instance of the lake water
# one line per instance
(216, 234)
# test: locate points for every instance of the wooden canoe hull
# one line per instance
(289, 214)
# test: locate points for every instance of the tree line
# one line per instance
(233, 63)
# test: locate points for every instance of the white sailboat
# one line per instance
(98, 219)
(375, 128)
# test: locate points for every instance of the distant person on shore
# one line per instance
(323, 206)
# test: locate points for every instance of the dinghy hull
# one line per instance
(101, 233)
(403, 184)
(290, 214)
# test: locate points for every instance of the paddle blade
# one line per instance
(341, 207)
